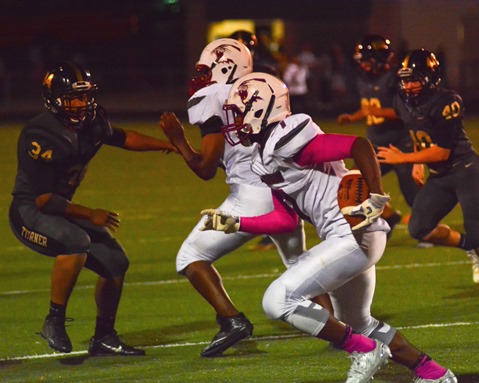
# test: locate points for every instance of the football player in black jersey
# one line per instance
(434, 116)
(54, 150)
(377, 85)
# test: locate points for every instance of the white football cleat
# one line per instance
(475, 265)
(448, 377)
(365, 365)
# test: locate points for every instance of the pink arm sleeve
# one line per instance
(325, 148)
(282, 219)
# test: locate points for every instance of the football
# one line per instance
(352, 191)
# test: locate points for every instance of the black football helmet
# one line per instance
(423, 67)
(247, 38)
(373, 54)
(69, 92)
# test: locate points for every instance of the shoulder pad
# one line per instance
(104, 121)
(293, 133)
(207, 102)
(47, 145)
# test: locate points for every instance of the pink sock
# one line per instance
(358, 343)
(429, 369)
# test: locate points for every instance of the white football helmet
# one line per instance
(222, 61)
(254, 102)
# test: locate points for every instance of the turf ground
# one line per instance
(427, 293)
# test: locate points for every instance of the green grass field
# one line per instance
(427, 293)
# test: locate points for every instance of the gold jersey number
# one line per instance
(451, 111)
(372, 103)
(36, 152)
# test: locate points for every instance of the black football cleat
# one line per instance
(232, 330)
(54, 332)
(112, 345)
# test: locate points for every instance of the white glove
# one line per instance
(220, 221)
(372, 209)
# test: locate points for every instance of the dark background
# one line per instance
(142, 52)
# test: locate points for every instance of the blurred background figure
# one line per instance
(262, 59)
(377, 86)
(296, 78)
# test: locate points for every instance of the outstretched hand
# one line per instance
(172, 128)
(344, 119)
(389, 155)
(105, 218)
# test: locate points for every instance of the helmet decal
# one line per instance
(47, 81)
(255, 103)
(243, 92)
(422, 67)
(220, 52)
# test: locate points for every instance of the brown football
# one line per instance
(353, 190)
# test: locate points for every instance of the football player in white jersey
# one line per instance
(304, 166)
(220, 64)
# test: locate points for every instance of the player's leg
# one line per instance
(467, 180)
(56, 237)
(290, 246)
(202, 248)
(352, 302)
(433, 202)
(324, 268)
(108, 259)
(195, 261)
(408, 187)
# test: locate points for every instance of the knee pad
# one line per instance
(302, 314)
(382, 332)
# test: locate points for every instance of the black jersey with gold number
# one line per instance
(378, 91)
(53, 158)
(438, 122)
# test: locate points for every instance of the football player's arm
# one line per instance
(346, 118)
(54, 204)
(204, 162)
(131, 140)
(386, 113)
(364, 156)
(282, 219)
(392, 155)
(139, 142)
(332, 147)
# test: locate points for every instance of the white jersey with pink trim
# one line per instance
(312, 190)
(207, 103)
